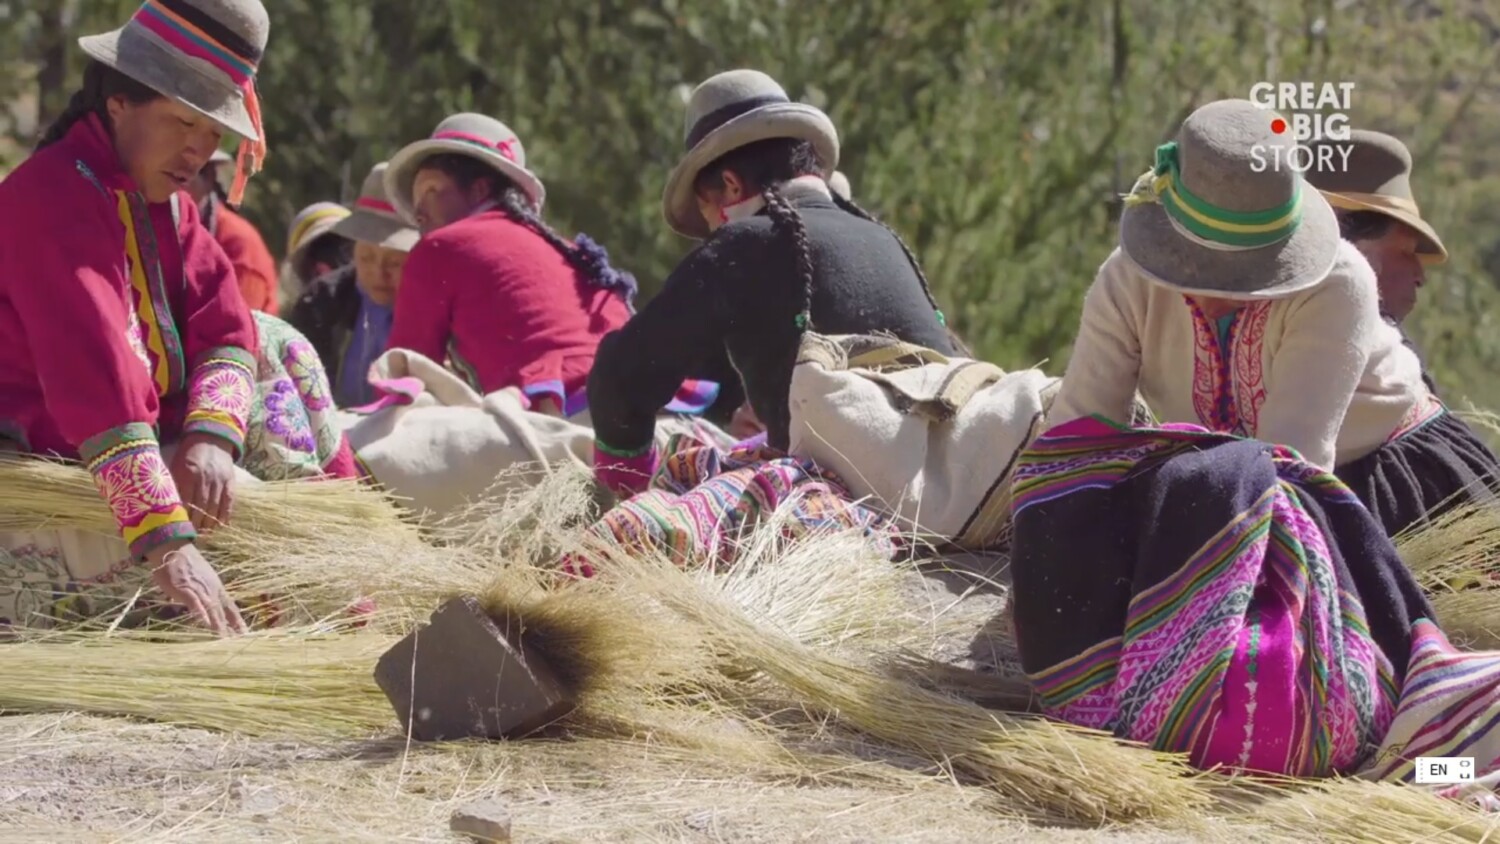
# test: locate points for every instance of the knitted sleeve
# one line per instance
(639, 368)
(65, 276)
(1322, 356)
(220, 338)
(1105, 366)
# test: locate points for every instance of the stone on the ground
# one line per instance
(486, 821)
(465, 676)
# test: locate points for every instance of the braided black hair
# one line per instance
(788, 224)
(100, 84)
(585, 255)
(765, 166)
(849, 206)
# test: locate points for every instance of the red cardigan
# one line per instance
(118, 329)
(251, 259)
(505, 308)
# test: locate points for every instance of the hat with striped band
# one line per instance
(375, 219)
(475, 135)
(1217, 217)
(311, 223)
(728, 111)
(203, 53)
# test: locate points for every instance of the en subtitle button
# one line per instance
(1436, 770)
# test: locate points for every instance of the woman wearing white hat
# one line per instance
(312, 249)
(347, 314)
(121, 324)
(1209, 586)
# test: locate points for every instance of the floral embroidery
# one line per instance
(129, 472)
(302, 364)
(222, 391)
(286, 416)
(1424, 410)
(137, 345)
(1229, 378)
(1249, 367)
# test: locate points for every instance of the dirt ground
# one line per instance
(81, 778)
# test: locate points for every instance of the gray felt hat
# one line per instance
(728, 111)
(375, 219)
(1217, 217)
(475, 135)
(203, 53)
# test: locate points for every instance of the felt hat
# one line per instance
(374, 219)
(1217, 217)
(202, 53)
(839, 184)
(728, 111)
(475, 135)
(1376, 176)
(311, 223)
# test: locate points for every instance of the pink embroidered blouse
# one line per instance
(1318, 371)
(120, 328)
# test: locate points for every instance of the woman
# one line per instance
(312, 250)
(1370, 190)
(237, 236)
(347, 314)
(491, 288)
(121, 323)
(1215, 595)
(781, 255)
(1233, 304)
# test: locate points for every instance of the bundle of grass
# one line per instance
(1358, 811)
(1455, 549)
(298, 683)
(1051, 770)
(40, 494)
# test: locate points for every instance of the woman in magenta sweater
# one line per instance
(491, 288)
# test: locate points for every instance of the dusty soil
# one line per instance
(81, 778)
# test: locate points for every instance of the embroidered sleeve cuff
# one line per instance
(625, 473)
(219, 395)
(538, 392)
(693, 397)
(129, 471)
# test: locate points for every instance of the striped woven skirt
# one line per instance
(703, 500)
(1217, 597)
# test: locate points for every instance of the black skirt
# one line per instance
(1423, 473)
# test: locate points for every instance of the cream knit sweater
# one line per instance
(1319, 370)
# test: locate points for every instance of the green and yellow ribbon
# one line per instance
(1242, 229)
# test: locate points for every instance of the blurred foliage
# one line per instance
(995, 135)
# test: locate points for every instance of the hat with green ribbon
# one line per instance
(1224, 214)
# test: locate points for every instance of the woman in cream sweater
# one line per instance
(1169, 581)
(1282, 343)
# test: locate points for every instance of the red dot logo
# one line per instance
(1278, 126)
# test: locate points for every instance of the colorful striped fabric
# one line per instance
(174, 28)
(1450, 706)
(703, 500)
(1186, 590)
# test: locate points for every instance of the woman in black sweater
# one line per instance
(782, 256)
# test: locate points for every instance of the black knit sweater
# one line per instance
(740, 292)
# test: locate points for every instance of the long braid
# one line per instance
(85, 100)
(584, 254)
(849, 206)
(787, 223)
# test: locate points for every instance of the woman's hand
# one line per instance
(745, 423)
(186, 578)
(203, 469)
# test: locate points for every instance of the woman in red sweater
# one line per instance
(122, 327)
(491, 288)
